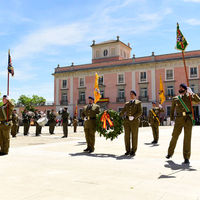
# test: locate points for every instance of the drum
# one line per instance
(42, 121)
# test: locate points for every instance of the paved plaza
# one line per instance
(52, 168)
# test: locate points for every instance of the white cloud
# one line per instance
(193, 22)
(195, 1)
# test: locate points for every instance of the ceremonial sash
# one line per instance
(186, 108)
(154, 114)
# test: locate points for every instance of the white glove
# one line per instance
(131, 118)
(85, 118)
(189, 91)
(172, 123)
(160, 106)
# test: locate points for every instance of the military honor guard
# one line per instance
(37, 116)
(26, 119)
(183, 119)
(64, 117)
(154, 120)
(51, 120)
(132, 112)
(89, 115)
(15, 123)
(5, 124)
(75, 123)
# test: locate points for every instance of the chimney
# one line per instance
(133, 58)
(153, 55)
(117, 38)
(72, 64)
(93, 42)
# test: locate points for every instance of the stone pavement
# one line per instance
(51, 168)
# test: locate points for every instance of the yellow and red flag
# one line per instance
(76, 111)
(97, 94)
(161, 92)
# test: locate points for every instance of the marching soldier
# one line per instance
(52, 121)
(26, 118)
(38, 127)
(154, 121)
(132, 111)
(64, 116)
(15, 123)
(184, 119)
(75, 123)
(5, 124)
(89, 115)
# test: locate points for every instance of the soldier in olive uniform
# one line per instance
(26, 118)
(38, 127)
(15, 123)
(154, 121)
(182, 105)
(75, 123)
(132, 111)
(89, 115)
(64, 116)
(5, 124)
(52, 121)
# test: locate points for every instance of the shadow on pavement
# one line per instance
(177, 168)
(152, 145)
(122, 157)
(98, 155)
(80, 143)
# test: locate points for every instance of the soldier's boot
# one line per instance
(186, 161)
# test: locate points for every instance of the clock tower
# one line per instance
(111, 50)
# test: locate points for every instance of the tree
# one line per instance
(30, 103)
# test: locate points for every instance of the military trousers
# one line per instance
(131, 134)
(155, 130)
(4, 138)
(75, 128)
(38, 129)
(51, 128)
(180, 123)
(14, 130)
(90, 137)
(26, 128)
(65, 129)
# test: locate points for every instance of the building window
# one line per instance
(105, 52)
(143, 92)
(124, 54)
(64, 98)
(169, 74)
(121, 93)
(193, 72)
(97, 54)
(194, 88)
(81, 96)
(143, 76)
(170, 91)
(144, 111)
(64, 83)
(81, 82)
(120, 109)
(168, 110)
(100, 80)
(80, 112)
(120, 78)
(102, 93)
(112, 51)
(121, 53)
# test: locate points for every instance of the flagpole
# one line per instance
(8, 75)
(187, 80)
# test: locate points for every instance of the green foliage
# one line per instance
(30, 103)
(111, 132)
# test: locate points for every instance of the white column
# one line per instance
(133, 80)
(57, 91)
(71, 104)
(153, 84)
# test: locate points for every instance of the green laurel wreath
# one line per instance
(110, 132)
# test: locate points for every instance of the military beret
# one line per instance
(153, 102)
(134, 92)
(90, 97)
(183, 86)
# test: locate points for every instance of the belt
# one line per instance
(6, 122)
(88, 118)
(183, 114)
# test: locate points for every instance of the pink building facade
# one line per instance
(119, 73)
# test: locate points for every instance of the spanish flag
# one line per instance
(10, 67)
(97, 94)
(161, 92)
(76, 111)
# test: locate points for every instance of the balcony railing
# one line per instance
(121, 99)
(64, 102)
(144, 98)
(169, 97)
(81, 101)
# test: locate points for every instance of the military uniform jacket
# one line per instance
(51, 117)
(90, 112)
(6, 108)
(180, 110)
(64, 116)
(152, 118)
(26, 118)
(132, 109)
(75, 122)
(15, 119)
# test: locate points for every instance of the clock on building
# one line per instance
(105, 52)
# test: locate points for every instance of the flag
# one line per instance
(76, 111)
(97, 94)
(161, 92)
(10, 67)
(181, 42)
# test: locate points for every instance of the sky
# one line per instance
(44, 33)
